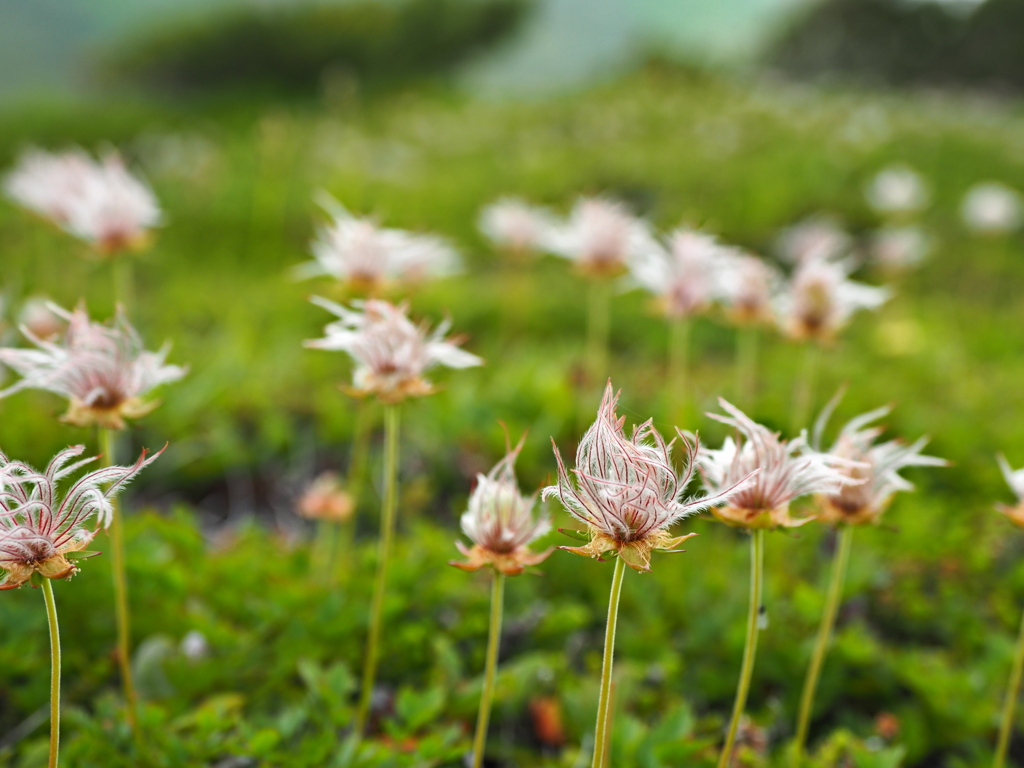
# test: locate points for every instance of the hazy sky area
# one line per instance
(46, 45)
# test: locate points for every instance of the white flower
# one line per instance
(877, 469)
(113, 210)
(49, 184)
(1015, 479)
(516, 225)
(899, 247)
(683, 275)
(992, 208)
(818, 238)
(102, 370)
(500, 522)
(601, 236)
(627, 490)
(821, 299)
(367, 257)
(897, 190)
(788, 469)
(391, 352)
(43, 532)
(747, 286)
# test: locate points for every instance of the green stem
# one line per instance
(750, 649)
(597, 330)
(51, 615)
(601, 739)
(361, 433)
(828, 620)
(387, 534)
(124, 293)
(679, 388)
(490, 669)
(803, 399)
(1006, 725)
(747, 338)
(121, 607)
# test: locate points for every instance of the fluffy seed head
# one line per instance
(992, 208)
(368, 259)
(49, 184)
(601, 236)
(897, 190)
(821, 299)
(626, 489)
(500, 522)
(788, 469)
(818, 238)
(326, 499)
(877, 466)
(103, 370)
(391, 352)
(42, 531)
(747, 287)
(515, 225)
(683, 275)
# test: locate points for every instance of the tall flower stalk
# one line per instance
(501, 525)
(1015, 479)
(51, 621)
(43, 536)
(787, 470)
(392, 354)
(873, 478)
(384, 547)
(122, 609)
(627, 492)
(601, 237)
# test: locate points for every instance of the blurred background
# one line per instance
(742, 117)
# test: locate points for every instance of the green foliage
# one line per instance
(286, 47)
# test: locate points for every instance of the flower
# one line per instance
(113, 210)
(788, 469)
(992, 208)
(500, 522)
(876, 466)
(367, 257)
(897, 190)
(40, 532)
(683, 275)
(747, 286)
(102, 369)
(899, 247)
(816, 238)
(601, 236)
(627, 491)
(326, 499)
(391, 352)
(48, 184)
(821, 299)
(514, 224)
(1015, 479)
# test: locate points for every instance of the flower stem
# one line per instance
(750, 649)
(747, 338)
(828, 619)
(490, 668)
(597, 330)
(123, 279)
(1010, 705)
(803, 397)
(679, 387)
(387, 535)
(121, 608)
(601, 740)
(51, 615)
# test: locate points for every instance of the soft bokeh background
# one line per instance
(742, 117)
